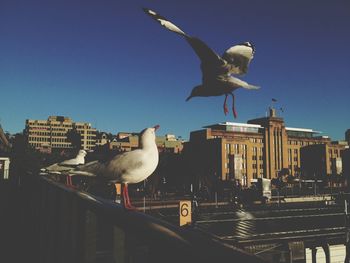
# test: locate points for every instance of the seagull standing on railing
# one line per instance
(127, 168)
(217, 70)
(66, 166)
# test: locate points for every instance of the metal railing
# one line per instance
(67, 225)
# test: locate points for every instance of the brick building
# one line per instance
(247, 151)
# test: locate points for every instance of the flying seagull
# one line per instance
(217, 70)
(127, 168)
(65, 166)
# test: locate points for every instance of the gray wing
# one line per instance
(58, 168)
(123, 164)
(239, 57)
(70, 162)
(210, 61)
(112, 169)
(164, 21)
(89, 169)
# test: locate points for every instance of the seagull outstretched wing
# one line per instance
(239, 56)
(209, 58)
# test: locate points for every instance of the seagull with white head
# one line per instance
(129, 167)
(217, 70)
(66, 166)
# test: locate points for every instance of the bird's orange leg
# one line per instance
(126, 198)
(69, 182)
(225, 104)
(233, 106)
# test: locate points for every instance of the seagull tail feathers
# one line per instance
(164, 22)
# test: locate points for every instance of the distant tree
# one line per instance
(24, 158)
(74, 137)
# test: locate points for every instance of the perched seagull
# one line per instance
(129, 167)
(217, 70)
(65, 166)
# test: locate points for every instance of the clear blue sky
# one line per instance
(107, 63)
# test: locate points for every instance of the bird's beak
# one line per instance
(156, 127)
(189, 97)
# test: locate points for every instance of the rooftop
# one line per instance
(256, 128)
(301, 130)
(236, 124)
(236, 127)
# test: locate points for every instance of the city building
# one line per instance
(323, 159)
(169, 143)
(4, 143)
(346, 164)
(101, 139)
(53, 134)
(347, 136)
(127, 141)
(263, 147)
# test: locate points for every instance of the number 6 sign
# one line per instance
(185, 212)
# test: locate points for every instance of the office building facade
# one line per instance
(52, 134)
(260, 148)
(323, 159)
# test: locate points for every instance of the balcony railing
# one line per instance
(66, 225)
